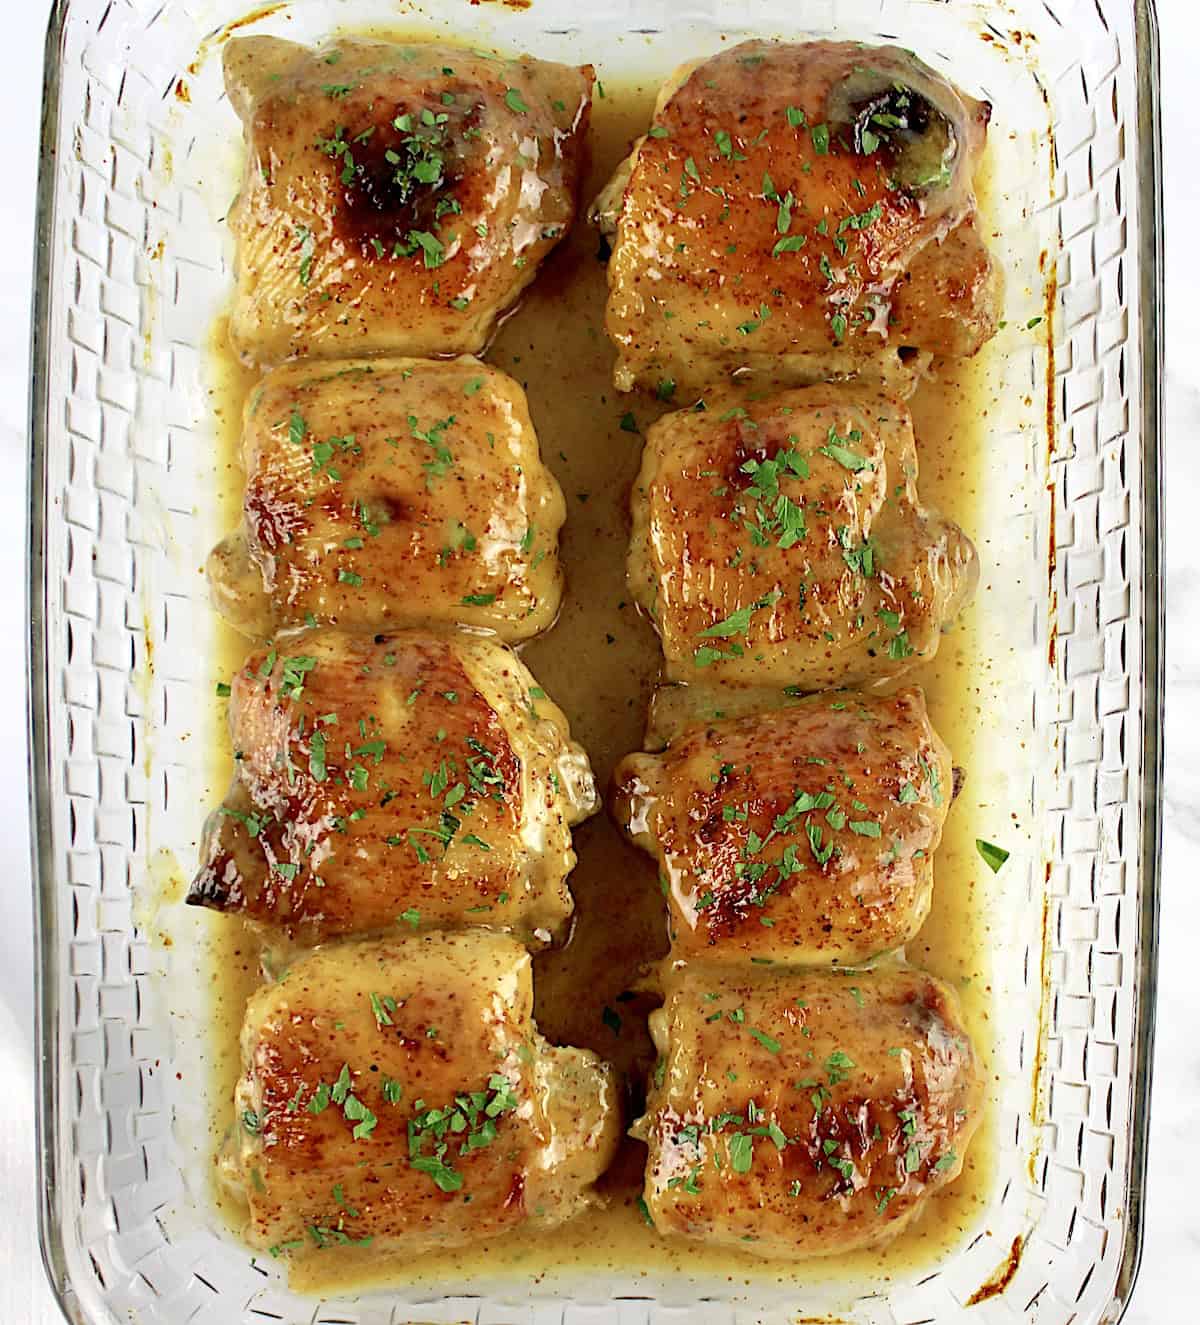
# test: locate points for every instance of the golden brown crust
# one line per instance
(803, 1113)
(800, 835)
(769, 213)
(397, 197)
(781, 541)
(397, 1095)
(383, 493)
(395, 780)
(950, 298)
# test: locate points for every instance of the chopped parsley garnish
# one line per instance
(862, 220)
(863, 559)
(251, 822)
(470, 1122)
(382, 1008)
(738, 622)
(430, 245)
(356, 1112)
(993, 856)
(308, 247)
(789, 244)
(753, 324)
(899, 647)
(777, 514)
(838, 1066)
(741, 1152)
(442, 460)
(836, 448)
(291, 683)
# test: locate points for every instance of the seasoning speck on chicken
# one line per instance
(798, 1113)
(780, 541)
(397, 1096)
(416, 780)
(397, 197)
(383, 493)
(803, 212)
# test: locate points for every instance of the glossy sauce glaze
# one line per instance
(600, 663)
(414, 538)
(450, 189)
(748, 877)
(806, 232)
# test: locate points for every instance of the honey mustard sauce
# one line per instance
(600, 662)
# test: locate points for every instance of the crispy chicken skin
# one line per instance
(418, 779)
(801, 211)
(397, 1095)
(396, 197)
(391, 492)
(801, 835)
(781, 541)
(804, 1113)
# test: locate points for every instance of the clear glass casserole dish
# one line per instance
(139, 160)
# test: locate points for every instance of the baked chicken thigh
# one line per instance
(420, 780)
(803, 834)
(781, 541)
(391, 492)
(397, 1095)
(396, 197)
(801, 211)
(804, 1113)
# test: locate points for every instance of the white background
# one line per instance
(1165, 1294)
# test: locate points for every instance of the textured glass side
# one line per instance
(132, 268)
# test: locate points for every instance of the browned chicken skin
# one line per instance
(800, 211)
(383, 493)
(397, 1095)
(802, 835)
(781, 541)
(397, 197)
(804, 1113)
(416, 780)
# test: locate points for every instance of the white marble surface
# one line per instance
(1164, 1295)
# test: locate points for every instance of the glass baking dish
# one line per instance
(139, 160)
